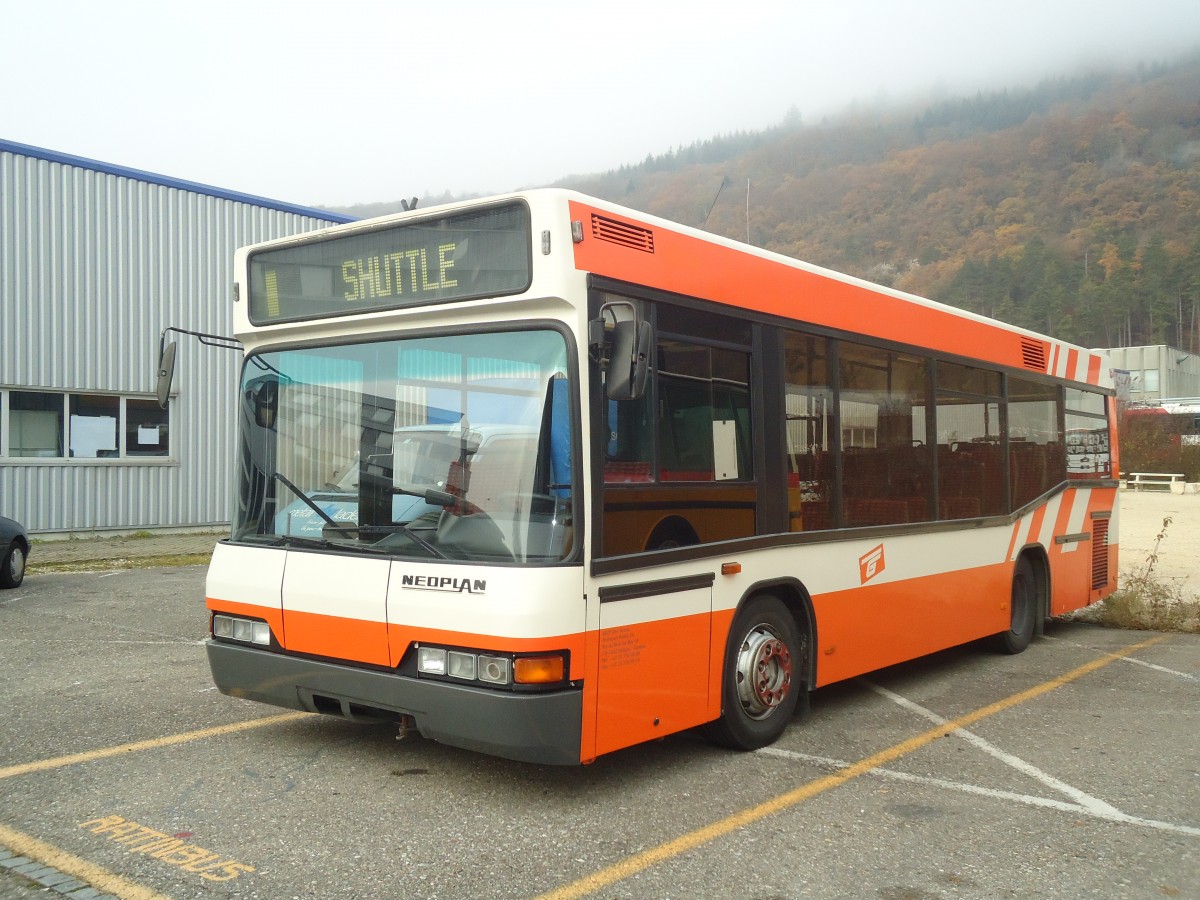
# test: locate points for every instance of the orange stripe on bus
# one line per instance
(686, 265)
(1062, 518)
(333, 636)
(654, 680)
(1012, 541)
(587, 743)
(867, 628)
(360, 640)
(1035, 525)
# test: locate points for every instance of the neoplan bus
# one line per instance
(649, 479)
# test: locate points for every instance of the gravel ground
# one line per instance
(1142, 515)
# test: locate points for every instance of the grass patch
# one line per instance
(1145, 601)
(107, 565)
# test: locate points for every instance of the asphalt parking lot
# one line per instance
(1071, 770)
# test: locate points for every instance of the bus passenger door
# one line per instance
(653, 659)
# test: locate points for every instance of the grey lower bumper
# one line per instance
(538, 728)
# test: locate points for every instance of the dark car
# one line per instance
(14, 550)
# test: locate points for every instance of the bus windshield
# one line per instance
(449, 447)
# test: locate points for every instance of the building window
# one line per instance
(93, 425)
(35, 424)
(54, 425)
(145, 428)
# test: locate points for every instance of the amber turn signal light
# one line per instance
(539, 669)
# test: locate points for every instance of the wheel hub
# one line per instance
(16, 564)
(764, 672)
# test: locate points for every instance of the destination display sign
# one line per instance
(480, 253)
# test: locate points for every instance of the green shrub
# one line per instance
(1145, 601)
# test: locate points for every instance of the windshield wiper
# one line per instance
(311, 504)
(408, 532)
(295, 540)
(349, 530)
(292, 540)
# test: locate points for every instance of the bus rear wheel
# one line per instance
(1023, 610)
(765, 666)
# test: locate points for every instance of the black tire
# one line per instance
(1023, 608)
(766, 662)
(12, 569)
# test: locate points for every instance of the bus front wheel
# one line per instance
(765, 665)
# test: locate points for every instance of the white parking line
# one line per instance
(1083, 800)
(961, 787)
(1129, 659)
(1163, 669)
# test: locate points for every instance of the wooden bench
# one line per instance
(1153, 480)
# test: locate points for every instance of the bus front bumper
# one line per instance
(537, 728)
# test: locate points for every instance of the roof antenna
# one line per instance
(725, 182)
(407, 205)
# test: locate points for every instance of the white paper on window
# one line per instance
(92, 435)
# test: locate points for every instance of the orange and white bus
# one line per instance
(544, 477)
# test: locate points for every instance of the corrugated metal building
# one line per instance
(1156, 372)
(95, 260)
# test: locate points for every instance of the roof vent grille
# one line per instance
(1034, 355)
(632, 236)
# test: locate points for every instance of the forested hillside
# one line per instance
(1071, 208)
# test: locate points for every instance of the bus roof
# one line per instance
(636, 247)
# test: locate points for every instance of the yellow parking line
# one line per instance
(641, 861)
(77, 868)
(81, 869)
(154, 743)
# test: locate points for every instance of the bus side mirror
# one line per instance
(629, 362)
(166, 357)
(166, 373)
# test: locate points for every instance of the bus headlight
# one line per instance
(431, 660)
(534, 670)
(461, 665)
(494, 669)
(248, 631)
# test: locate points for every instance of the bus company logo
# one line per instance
(870, 564)
(445, 583)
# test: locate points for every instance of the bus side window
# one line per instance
(684, 446)
(629, 449)
(808, 426)
(887, 477)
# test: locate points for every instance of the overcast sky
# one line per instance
(349, 101)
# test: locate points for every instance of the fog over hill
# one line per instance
(1071, 207)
